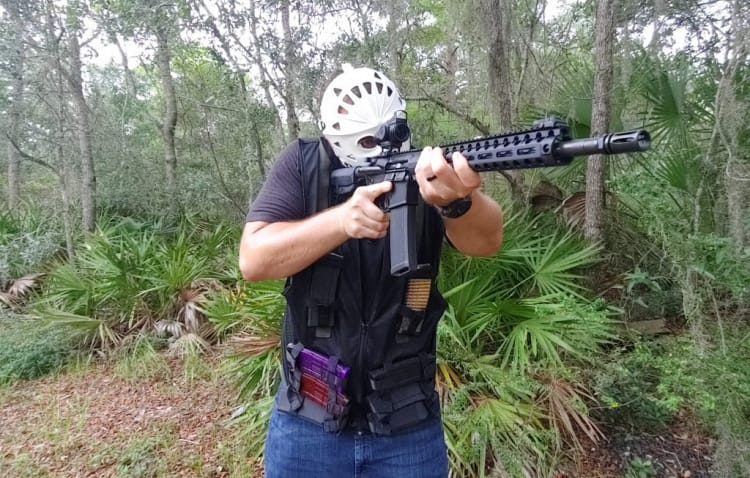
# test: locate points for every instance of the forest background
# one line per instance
(136, 133)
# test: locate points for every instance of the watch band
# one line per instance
(457, 208)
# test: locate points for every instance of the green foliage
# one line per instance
(30, 348)
(553, 330)
(715, 383)
(715, 259)
(630, 389)
(519, 325)
(647, 386)
(494, 432)
(516, 331)
(28, 241)
(640, 468)
(535, 259)
(250, 315)
(250, 307)
(141, 360)
(142, 457)
(129, 275)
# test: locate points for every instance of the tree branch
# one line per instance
(30, 158)
(481, 127)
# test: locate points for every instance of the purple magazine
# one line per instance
(316, 365)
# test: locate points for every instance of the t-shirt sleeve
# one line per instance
(280, 198)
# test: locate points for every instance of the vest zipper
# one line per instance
(361, 362)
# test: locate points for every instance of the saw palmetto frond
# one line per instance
(251, 346)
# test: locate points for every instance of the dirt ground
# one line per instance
(682, 451)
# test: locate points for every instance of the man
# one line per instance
(357, 395)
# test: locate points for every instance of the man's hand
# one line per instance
(360, 217)
(440, 183)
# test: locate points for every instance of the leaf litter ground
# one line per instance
(95, 423)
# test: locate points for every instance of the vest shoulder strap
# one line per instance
(323, 276)
(315, 167)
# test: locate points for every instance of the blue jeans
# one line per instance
(298, 448)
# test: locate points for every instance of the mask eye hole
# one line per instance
(368, 142)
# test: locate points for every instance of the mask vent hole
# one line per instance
(380, 87)
(377, 75)
(356, 92)
(390, 91)
(337, 91)
(336, 126)
(348, 100)
(368, 87)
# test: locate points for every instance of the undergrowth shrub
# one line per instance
(142, 360)
(132, 277)
(630, 388)
(647, 386)
(26, 244)
(30, 348)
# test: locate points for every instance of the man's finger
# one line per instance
(372, 191)
(464, 171)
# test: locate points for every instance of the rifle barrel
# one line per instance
(615, 143)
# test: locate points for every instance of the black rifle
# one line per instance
(548, 143)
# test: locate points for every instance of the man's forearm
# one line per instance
(479, 232)
(281, 249)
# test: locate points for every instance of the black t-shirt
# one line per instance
(280, 198)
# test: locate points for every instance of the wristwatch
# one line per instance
(457, 208)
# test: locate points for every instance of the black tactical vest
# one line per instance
(348, 307)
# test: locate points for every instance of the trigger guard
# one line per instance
(383, 202)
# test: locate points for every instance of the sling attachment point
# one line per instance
(295, 376)
(411, 321)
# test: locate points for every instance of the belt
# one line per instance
(357, 420)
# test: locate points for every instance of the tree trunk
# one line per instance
(393, 37)
(525, 56)
(88, 182)
(497, 15)
(450, 62)
(265, 81)
(730, 115)
(604, 37)
(169, 122)
(16, 106)
(64, 177)
(738, 198)
(290, 73)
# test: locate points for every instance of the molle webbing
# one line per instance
(399, 399)
(404, 407)
(403, 394)
(324, 279)
(411, 370)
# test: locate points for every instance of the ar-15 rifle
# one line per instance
(547, 143)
